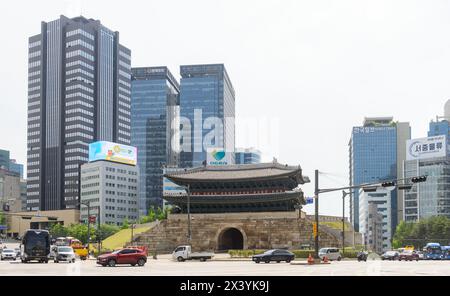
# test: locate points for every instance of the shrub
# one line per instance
(244, 253)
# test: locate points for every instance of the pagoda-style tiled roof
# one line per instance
(241, 172)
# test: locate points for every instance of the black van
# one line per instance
(35, 246)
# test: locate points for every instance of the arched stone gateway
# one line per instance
(230, 239)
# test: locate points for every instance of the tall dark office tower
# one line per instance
(155, 124)
(79, 88)
(207, 95)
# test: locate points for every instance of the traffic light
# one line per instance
(419, 179)
(405, 187)
(388, 184)
(370, 188)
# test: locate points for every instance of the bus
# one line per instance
(35, 246)
(433, 251)
(446, 252)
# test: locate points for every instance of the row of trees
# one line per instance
(80, 231)
(155, 213)
(434, 229)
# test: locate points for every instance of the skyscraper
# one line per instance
(79, 88)
(155, 107)
(428, 157)
(376, 153)
(207, 108)
(247, 156)
(4, 159)
(16, 167)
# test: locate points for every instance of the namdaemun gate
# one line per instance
(256, 206)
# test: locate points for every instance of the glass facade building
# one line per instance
(79, 88)
(16, 167)
(247, 156)
(438, 128)
(4, 159)
(376, 153)
(154, 129)
(430, 198)
(207, 109)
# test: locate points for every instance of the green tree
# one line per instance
(80, 231)
(105, 231)
(125, 224)
(58, 230)
(2, 218)
(433, 229)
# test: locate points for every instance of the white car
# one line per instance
(331, 253)
(64, 253)
(8, 254)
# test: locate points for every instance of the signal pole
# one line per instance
(316, 226)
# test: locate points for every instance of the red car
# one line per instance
(130, 256)
(408, 256)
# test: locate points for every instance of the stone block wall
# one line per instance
(259, 230)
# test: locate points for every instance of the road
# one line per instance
(166, 267)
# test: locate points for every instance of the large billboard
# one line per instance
(169, 187)
(103, 150)
(218, 156)
(424, 148)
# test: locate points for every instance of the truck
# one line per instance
(80, 250)
(183, 253)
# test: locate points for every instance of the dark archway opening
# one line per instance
(231, 239)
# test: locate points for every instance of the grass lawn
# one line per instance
(122, 237)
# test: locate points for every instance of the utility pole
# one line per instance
(366, 187)
(188, 191)
(316, 226)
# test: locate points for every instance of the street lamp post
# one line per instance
(88, 204)
(132, 234)
(344, 194)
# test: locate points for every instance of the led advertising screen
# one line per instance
(103, 150)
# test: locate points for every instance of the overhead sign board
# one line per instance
(109, 151)
(425, 148)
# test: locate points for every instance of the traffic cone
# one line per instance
(310, 260)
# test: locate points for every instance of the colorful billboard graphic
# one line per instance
(103, 150)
